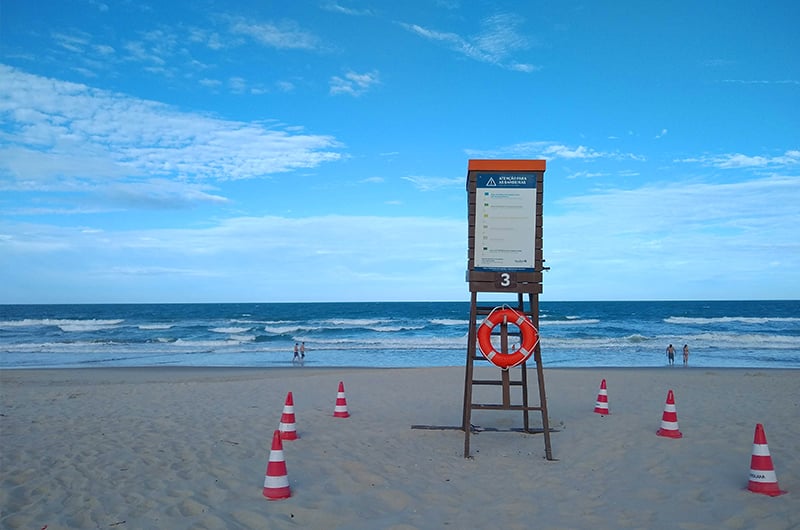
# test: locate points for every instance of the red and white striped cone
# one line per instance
(340, 410)
(276, 481)
(601, 406)
(762, 475)
(287, 426)
(669, 420)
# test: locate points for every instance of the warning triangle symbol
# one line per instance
(491, 182)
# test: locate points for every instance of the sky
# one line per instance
(317, 150)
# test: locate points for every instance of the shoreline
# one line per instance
(358, 368)
(187, 447)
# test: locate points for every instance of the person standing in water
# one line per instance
(686, 355)
(296, 353)
(671, 354)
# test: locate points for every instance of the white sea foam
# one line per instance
(89, 325)
(449, 322)
(64, 324)
(288, 330)
(207, 344)
(576, 322)
(230, 330)
(393, 339)
(354, 322)
(386, 329)
(729, 320)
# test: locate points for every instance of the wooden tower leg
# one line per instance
(466, 420)
(524, 377)
(537, 353)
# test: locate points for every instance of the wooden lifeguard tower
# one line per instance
(505, 256)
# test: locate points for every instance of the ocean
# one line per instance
(757, 334)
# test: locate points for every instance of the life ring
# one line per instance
(530, 337)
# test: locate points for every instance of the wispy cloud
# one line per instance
(353, 83)
(382, 254)
(551, 151)
(67, 136)
(76, 42)
(651, 238)
(738, 160)
(157, 271)
(498, 41)
(662, 134)
(587, 175)
(286, 34)
(372, 180)
(103, 197)
(762, 81)
(211, 39)
(338, 8)
(158, 194)
(424, 183)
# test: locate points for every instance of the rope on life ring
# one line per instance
(530, 337)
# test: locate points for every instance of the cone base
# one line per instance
(289, 435)
(604, 412)
(341, 414)
(275, 494)
(669, 434)
(765, 489)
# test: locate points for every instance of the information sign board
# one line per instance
(505, 221)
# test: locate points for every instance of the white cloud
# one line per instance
(337, 8)
(285, 86)
(662, 134)
(587, 174)
(353, 84)
(424, 183)
(282, 35)
(665, 240)
(497, 42)
(238, 85)
(739, 161)
(372, 180)
(251, 258)
(122, 271)
(661, 240)
(57, 134)
(158, 194)
(762, 81)
(210, 83)
(76, 42)
(551, 151)
(212, 39)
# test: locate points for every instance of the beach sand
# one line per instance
(141, 448)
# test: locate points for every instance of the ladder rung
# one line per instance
(491, 382)
(485, 406)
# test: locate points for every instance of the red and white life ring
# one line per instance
(530, 337)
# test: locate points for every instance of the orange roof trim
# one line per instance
(507, 165)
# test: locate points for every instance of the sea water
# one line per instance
(763, 334)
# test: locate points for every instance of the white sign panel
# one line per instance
(505, 221)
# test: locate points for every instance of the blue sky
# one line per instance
(212, 151)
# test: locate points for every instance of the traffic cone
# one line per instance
(669, 420)
(276, 481)
(601, 406)
(762, 474)
(340, 411)
(287, 427)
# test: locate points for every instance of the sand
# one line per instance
(141, 448)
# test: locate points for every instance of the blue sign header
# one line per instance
(506, 180)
